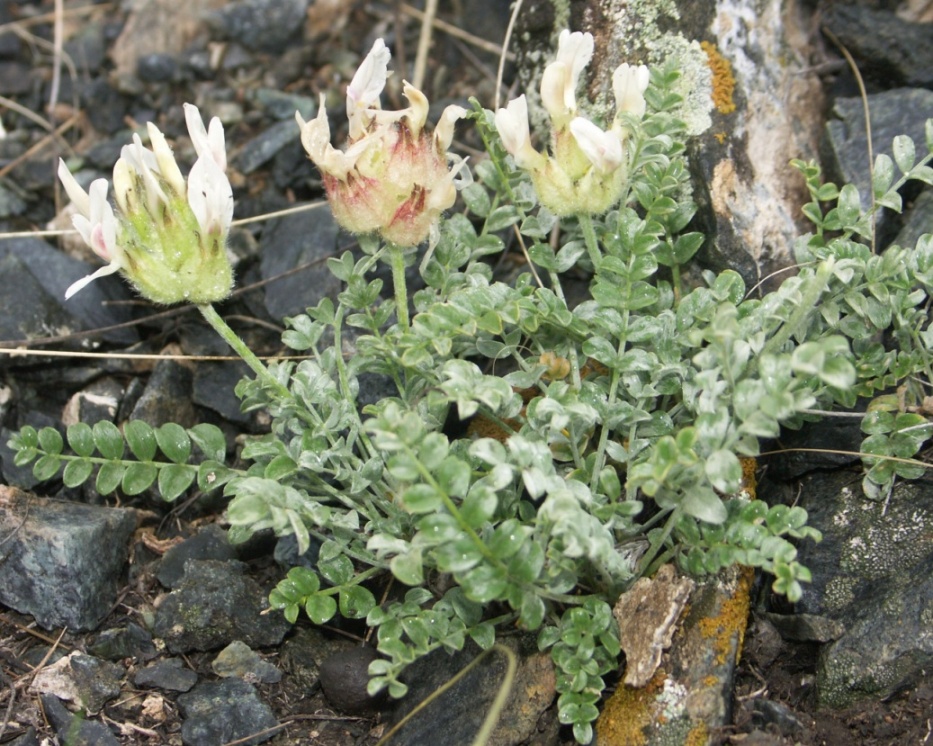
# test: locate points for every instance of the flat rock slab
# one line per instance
(224, 711)
(60, 561)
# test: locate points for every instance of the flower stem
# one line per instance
(240, 348)
(397, 263)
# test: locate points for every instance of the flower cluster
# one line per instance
(394, 178)
(168, 237)
(586, 171)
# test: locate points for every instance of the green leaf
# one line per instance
(905, 154)
(46, 467)
(421, 498)
(210, 441)
(483, 635)
(108, 439)
(355, 602)
(502, 217)
(141, 439)
(280, 468)
(704, 504)
(212, 474)
(81, 439)
(724, 471)
(174, 442)
(338, 570)
(174, 479)
(50, 440)
(453, 476)
(321, 608)
(479, 506)
(408, 567)
(109, 477)
(138, 477)
(532, 610)
(77, 472)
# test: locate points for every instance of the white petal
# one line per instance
(512, 123)
(602, 149)
(168, 168)
(75, 193)
(444, 131)
(574, 50)
(210, 196)
(108, 269)
(367, 84)
(124, 185)
(554, 86)
(208, 143)
(629, 84)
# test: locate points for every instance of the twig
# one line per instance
(58, 33)
(459, 33)
(424, 44)
(505, 47)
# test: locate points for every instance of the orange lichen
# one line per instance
(721, 137)
(629, 712)
(698, 735)
(723, 80)
(728, 626)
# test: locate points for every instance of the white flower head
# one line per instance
(208, 143)
(629, 84)
(602, 149)
(513, 127)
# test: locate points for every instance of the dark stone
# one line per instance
(12, 200)
(286, 553)
(129, 641)
(167, 396)
(283, 105)
(902, 111)
(215, 604)
(27, 311)
(61, 561)
(224, 711)
(170, 674)
(15, 78)
(87, 48)
(96, 681)
(918, 220)
(29, 738)
(98, 402)
(767, 712)
(888, 50)
(156, 67)
(76, 729)
(214, 384)
(344, 678)
(303, 242)
(802, 627)
(264, 147)
(105, 106)
(873, 574)
(210, 543)
(240, 661)
(263, 24)
(100, 304)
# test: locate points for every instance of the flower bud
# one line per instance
(394, 178)
(169, 237)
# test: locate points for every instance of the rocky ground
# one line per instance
(167, 643)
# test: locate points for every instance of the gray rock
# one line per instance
(225, 711)
(15, 78)
(263, 24)
(456, 715)
(170, 674)
(888, 50)
(76, 729)
(129, 641)
(264, 147)
(239, 660)
(873, 574)
(918, 220)
(286, 553)
(344, 678)
(283, 105)
(902, 111)
(306, 240)
(214, 384)
(167, 396)
(29, 738)
(87, 681)
(100, 304)
(99, 401)
(215, 604)
(301, 654)
(12, 200)
(210, 543)
(156, 67)
(61, 562)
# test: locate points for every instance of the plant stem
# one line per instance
(397, 263)
(589, 237)
(240, 348)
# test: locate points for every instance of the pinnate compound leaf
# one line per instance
(141, 439)
(108, 439)
(210, 441)
(109, 477)
(138, 478)
(50, 440)
(174, 442)
(174, 479)
(81, 439)
(77, 472)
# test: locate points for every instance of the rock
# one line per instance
(85, 680)
(456, 716)
(214, 384)
(263, 24)
(918, 220)
(803, 627)
(873, 575)
(170, 674)
(286, 553)
(282, 104)
(15, 78)
(97, 402)
(29, 738)
(75, 729)
(156, 67)
(225, 711)
(129, 641)
(215, 604)
(344, 678)
(12, 201)
(888, 50)
(27, 311)
(690, 695)
(100, 304)
(902, 111)
(303, 240)
(87, 47)
(210, 543)
(264, 147)
(237, 659)
(167, 396)
(300, 654)
(61, 561)
(774, 715)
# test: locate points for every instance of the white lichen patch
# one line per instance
(696, 81)
(671, 700)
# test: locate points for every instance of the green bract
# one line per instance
(593, 441)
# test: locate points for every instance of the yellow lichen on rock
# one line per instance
(723, 80)
(732, 619)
